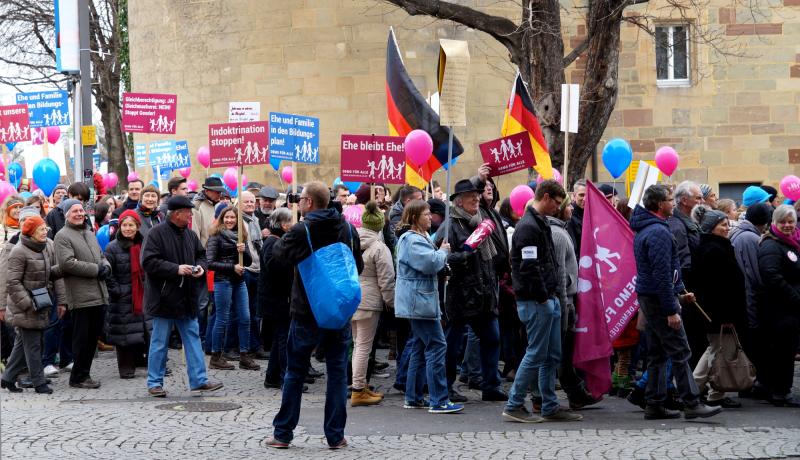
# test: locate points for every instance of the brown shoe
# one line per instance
(374, 394)
(363, 398)
(218, 362)
(104, 347)
(87, 384)
(157, 392)
(246, 362)
(208, 386)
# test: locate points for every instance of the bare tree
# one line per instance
(536, 46)
(28, 52)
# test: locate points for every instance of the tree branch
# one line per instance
(501, 29)
(570, 58)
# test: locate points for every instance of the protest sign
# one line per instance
(162, 153)
(14, 126)
(238, 144)
(243, 111)
(165, 173)
(379, 159)
(149, 113)
(453, 75)
(294, 137)
(508, 154)
(646, 176)
(140, 155)
(46, 108)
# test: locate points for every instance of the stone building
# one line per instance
(734, 120)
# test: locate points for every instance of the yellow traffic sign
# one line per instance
(88, 135)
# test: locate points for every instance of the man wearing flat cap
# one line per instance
(266, 204)
(175, 265)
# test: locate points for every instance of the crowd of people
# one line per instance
(452, 300)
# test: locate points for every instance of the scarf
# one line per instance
(792, 241)
(10, 221)
(487, 248)
(137, 279)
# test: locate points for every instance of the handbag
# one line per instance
(731, 370)
(41, 299)
(330, 278)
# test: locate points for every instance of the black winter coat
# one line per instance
(720, 290)
(533, 266)
(502, 262)
(274, 282)
(779, 265)
(327, 227)
(123, 328)
(55, 221)
(575, 228)
(222, 256)
(473, 286)
(166, 294)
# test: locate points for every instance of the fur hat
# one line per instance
(709, 218)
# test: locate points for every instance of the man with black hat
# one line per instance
(473, 290)
(265, 207)
(774, 200)
(203, 213)
(609, 192)
(175, 265)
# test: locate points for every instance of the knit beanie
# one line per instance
(705, 189)
(31, 224)
(133, 215)
(753, 195)
(219, 208)
(59, 187)
(28, 211)
(65, 205)
(372, 218)
(759, 214)
(772, 192)
(437, 206)
(709, 218)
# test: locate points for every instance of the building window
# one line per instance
(672, 55)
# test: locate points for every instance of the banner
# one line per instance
(453, 73)
(149, 113)
(294, 137)
(140, 155)
(14, 125)
(46, 108)
(239, 144)
(243, 111)
(67, 37)
(380, 159)
(606, 288)
(508, 154)
(169, 155)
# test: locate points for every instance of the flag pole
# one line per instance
(447, 198)
(294, 193)
(566, 140)
(239, 222)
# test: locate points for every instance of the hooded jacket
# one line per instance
(722, 290)
(658, 268)
(416, 294)
(326, 227)
(745, 238)
(533, 264)
(779, 266)
(377, 279)
(32, 265)
(123, 328)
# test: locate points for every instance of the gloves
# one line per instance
(103, 272)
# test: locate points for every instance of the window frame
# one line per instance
(671, 81)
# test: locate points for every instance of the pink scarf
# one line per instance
(793, 241)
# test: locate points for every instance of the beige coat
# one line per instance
(28, 270)
(202, 218)
(377, 279)
(79, 257)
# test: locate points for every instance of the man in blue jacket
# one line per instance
(659, 287)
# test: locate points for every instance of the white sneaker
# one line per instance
(50, 371)
(68, 368)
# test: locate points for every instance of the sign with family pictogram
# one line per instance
(508, 154)
(294, 137)
(14, 125)
(169, 155)
(46, 108)
(149, 113)
(380, 159)
(239, 144)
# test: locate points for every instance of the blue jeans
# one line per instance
(488, 332)
(402, 360)
(303, 338)
(471, 365)
(189, 329)
(229, 295)
(58, 340)
(543, 324)
(432, 345)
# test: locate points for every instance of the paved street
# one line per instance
(119, 421)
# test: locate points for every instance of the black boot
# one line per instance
(11, 386)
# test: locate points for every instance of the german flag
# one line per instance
(407, 110)
(519, 117)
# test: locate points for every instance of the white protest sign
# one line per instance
(453, 78)
(243, 111)
(570, 100)
(645, 177)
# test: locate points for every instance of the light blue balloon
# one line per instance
(10, 146)
(275, 163)
(46, 175)
(336, 182)
(15, 174)
(103, 236)
(26, 195)
(617, 156)
(352, 186)
(154, 183)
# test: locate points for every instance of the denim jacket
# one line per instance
(416, 293)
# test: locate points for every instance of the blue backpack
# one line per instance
(330, 278)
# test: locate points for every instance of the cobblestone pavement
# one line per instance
(119, 421)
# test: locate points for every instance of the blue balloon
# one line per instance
(11, 145)
(336, 182)
(103, 236)
(26, 195)
(275, 163)
(617, 156)
(46, 175)
(15, 174)
(352, 186)
(154, 183)
(446, 166)
(232, 192)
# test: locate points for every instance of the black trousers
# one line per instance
(783, 336)
(87, 325)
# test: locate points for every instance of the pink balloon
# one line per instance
(105, 179)
(185, 172)
(667, 160)
(556, 177)
(419, 146)
(192, 184)
(2, 167)
(112, 180)
(519, 198)
(6, 189)
(244, 180)
(353, 215)
(229, 177)
(132, 176)
(790, 187)
(204, 156)
(286, 174)
(53, 133)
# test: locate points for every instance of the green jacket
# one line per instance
(79, 258)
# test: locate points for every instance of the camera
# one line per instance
(196, 269)
(292, 198)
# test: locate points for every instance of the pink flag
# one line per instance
(606, 288)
